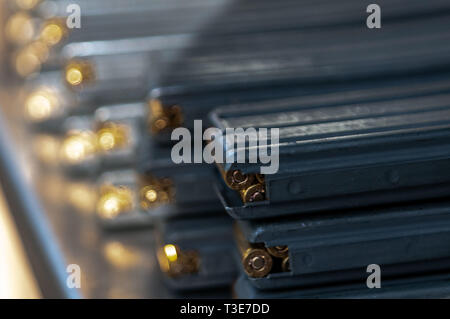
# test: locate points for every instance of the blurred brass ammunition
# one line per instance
(78, 146)
(154, 192)
(53, 31)
(20, 28)
(111, 136)
(113, 201)
(164, 117)
(42, 104)
(78, 72)
(175, 262)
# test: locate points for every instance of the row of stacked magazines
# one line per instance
(364, 136)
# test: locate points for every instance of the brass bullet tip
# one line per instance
(113, 201)
(163, 117)
(175, 262)
(42, 104)
(53, 32)
(78, 146)
(112, 136)
(78, 73)
(155, 192)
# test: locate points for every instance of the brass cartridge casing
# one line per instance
(53, 31)
(256, 261)
(114, 200)
(278, 251)
(175, 262)
(78, 73)
(163, 117)
(112, 136)
(155, 192)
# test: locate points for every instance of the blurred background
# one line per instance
(16, 277)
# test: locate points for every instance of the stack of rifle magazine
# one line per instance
(350, 176)
(363, 157)
(362, 181)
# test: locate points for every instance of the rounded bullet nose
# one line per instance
(175, 262)
(74, 76)
(114, 201)
(112, 136)
(78, 73)
(41, 104)
(163, 117)
(78, 147)
(151, 195)
(155, 192)
(53, 32)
